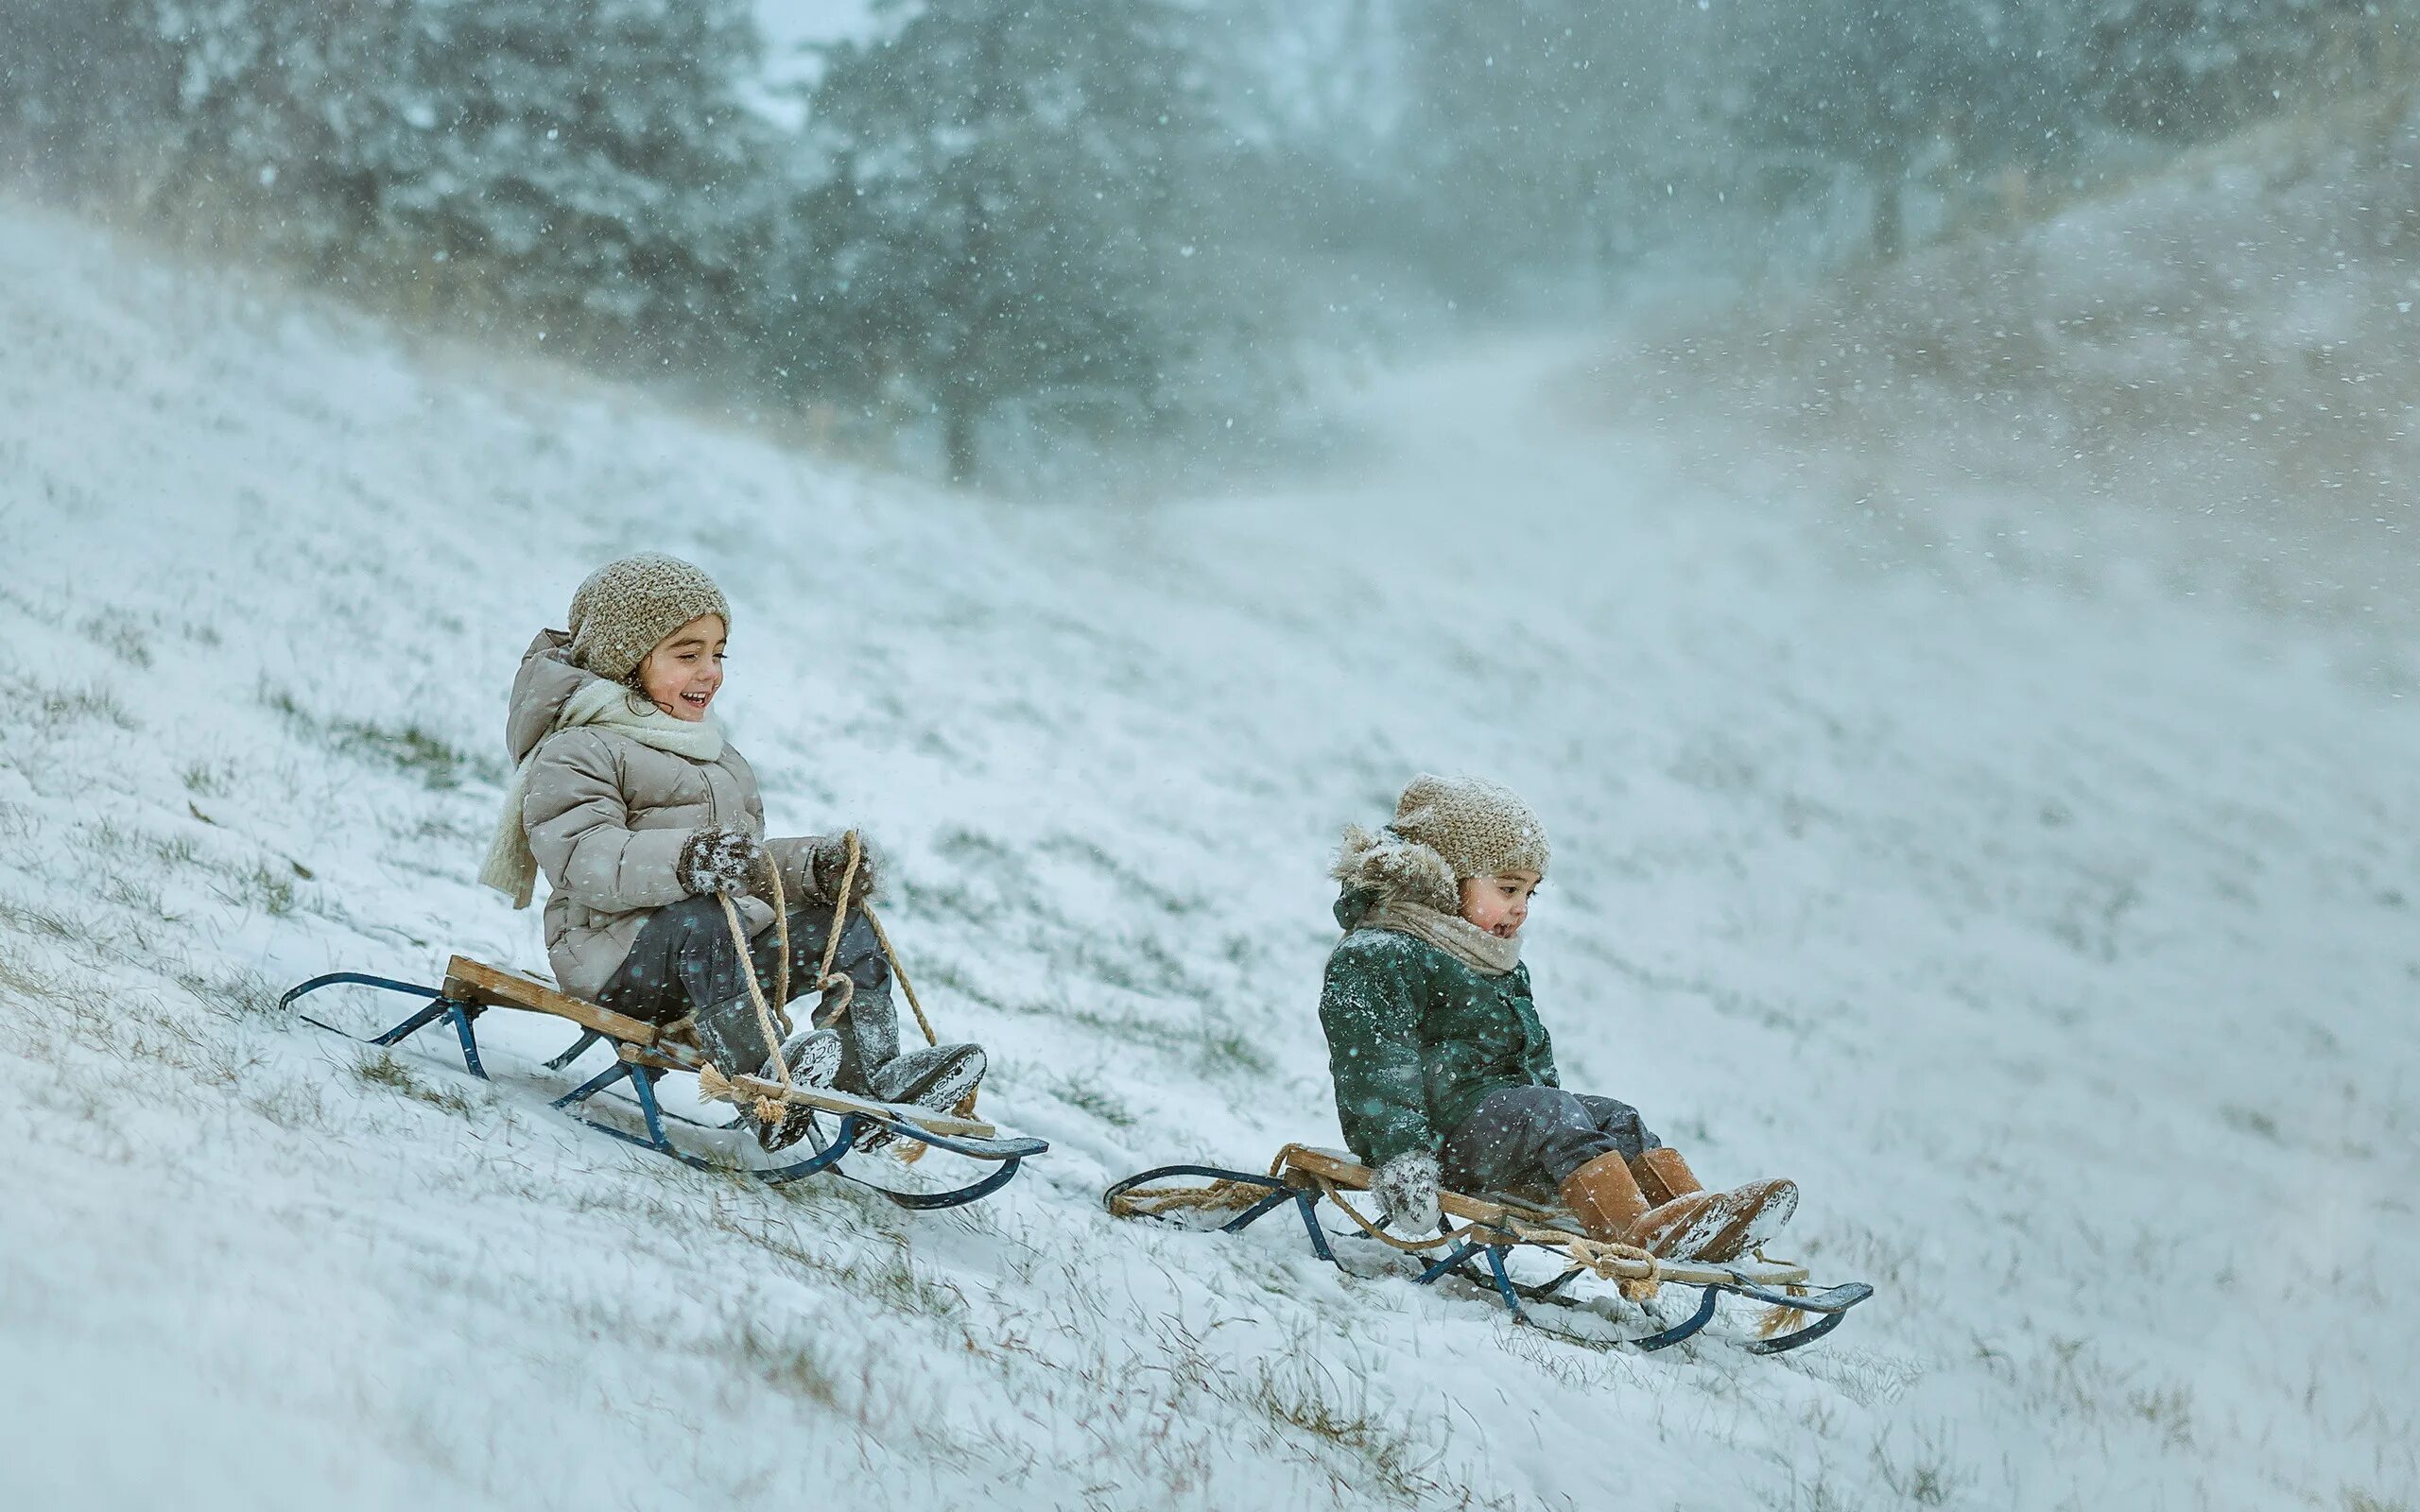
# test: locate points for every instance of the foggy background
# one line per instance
(1022, 243)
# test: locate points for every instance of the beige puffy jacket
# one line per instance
(607, 817)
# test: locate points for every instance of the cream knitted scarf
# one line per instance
(509, 868)
(1457, 937)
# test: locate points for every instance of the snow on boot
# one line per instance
(1720, 1228)
(814, 1057)
(731, 1035)
(938, 1079)
(1607, 1198)
(935, 1078)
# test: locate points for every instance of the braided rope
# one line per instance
(1153, 1202)
(769, 1111)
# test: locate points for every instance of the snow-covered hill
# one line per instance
(2060, 945)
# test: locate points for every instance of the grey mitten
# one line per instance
(720, 859)
(828, 862)
(1407, 1188)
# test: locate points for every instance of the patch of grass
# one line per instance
(265, 888)
(2170, 1411)
(876, 1267)
(299, 1107)
(178, 851)
(210, 779)
(1232, 1051)
(47, 707)
(1818, 1497)
(1214, 1048)
(236, 994)
(1147, 968)
(1304, 1396)
(37, 919)
(412, 750)
(791, 1367)
(117, 632)
(382, 1070)
(2357, 1500)
(1928, 1477)
(1081, 1091)
(2251, 1121)
(140, 897)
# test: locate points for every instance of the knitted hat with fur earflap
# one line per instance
(626, 606)
(1445, 829)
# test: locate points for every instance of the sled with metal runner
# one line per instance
(1490, 1229)
(643, 1053)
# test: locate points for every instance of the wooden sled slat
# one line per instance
(641, 1044)
(826, 1101)
(496, 987)
(1348, 1174)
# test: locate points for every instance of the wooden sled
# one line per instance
(1491, 1229)
(643, 1053)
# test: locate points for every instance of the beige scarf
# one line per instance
(1457, 937)
(510, 867)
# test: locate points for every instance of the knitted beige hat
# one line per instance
(1445, 832)
(1481, 829)
(626, 606)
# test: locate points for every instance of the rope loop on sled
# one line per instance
(773, 1020)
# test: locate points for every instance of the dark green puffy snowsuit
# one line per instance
(1416, 1037)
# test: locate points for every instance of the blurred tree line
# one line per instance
(1116, 219)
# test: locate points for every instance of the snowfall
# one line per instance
(2057, 931)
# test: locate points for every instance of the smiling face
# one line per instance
(684, 671)
(1501, 906)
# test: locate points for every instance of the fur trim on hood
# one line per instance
(1394, 868)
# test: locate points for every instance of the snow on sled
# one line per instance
(643, 1053)
(1492, 1228)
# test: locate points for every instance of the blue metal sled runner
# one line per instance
(643, 1053)
(1490, 1229)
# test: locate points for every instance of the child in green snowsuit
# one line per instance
(1443, 1070)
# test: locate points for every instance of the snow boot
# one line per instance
(730, 1035)
(938, 1079)
(1605, 1198)
(1727, 1227)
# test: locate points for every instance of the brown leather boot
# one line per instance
(1663, 1175)
(1606, 1197)
(1720, 1228)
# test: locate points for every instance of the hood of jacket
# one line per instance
(1381, 867)
(545, 682)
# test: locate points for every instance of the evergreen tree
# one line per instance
(1534, 123)
(1873, 85)
(2190, 69)
(584, 160)
(1003, 221)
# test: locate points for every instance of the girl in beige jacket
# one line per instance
(642, 815)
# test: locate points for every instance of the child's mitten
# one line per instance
(829, 862)
(720, 859)
(1407, 1188)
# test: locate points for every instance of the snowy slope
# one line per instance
(2061, 947)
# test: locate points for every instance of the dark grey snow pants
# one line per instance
(683, 960)
(1523, 1140)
